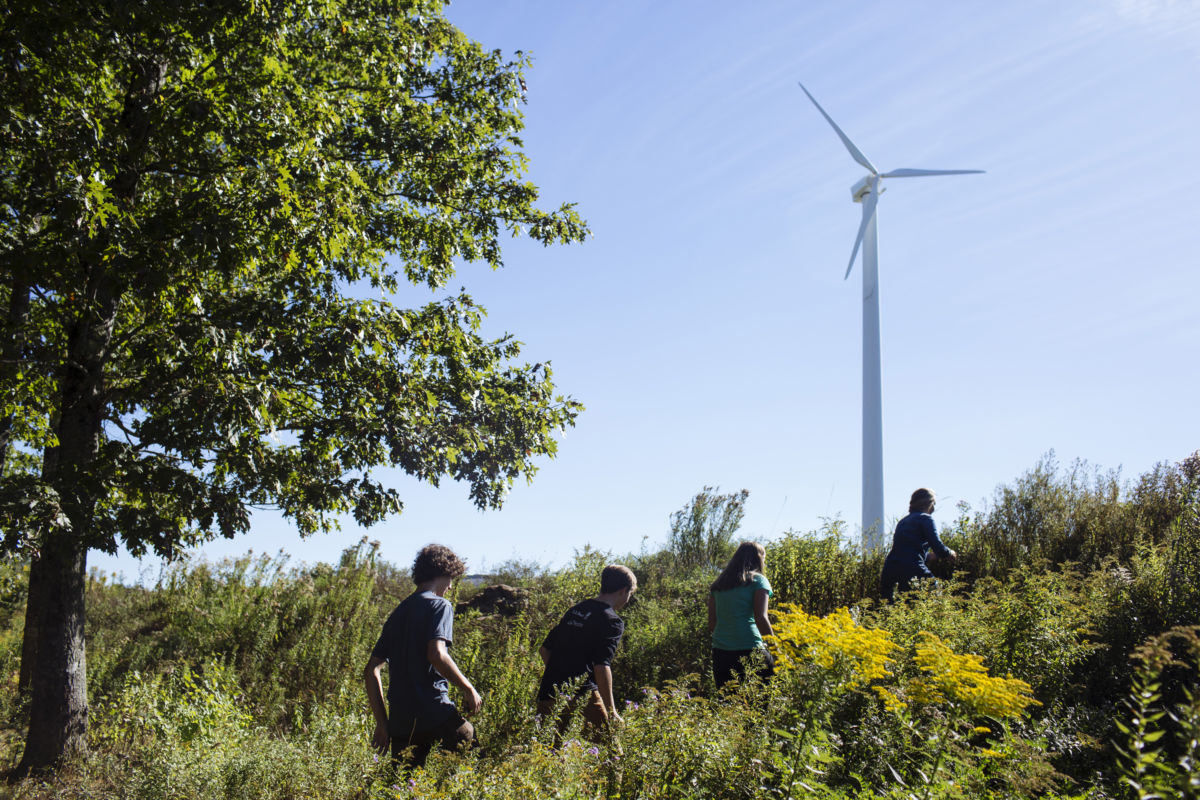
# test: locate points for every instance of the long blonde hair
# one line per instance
(749, 558)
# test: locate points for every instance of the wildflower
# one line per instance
(593, 751)
(834, 642)
(964, 679)
(988, 752)
(890, 701)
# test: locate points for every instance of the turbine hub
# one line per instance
(859, 190)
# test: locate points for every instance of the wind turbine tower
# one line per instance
(866, 191)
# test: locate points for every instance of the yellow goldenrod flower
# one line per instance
(834, 643)
(890, 701)
(965, 680)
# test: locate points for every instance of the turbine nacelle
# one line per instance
(860, 189)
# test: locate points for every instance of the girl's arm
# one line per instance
(761, 598)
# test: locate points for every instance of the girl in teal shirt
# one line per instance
(737, 613)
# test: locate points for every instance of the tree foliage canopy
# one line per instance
(208, 211)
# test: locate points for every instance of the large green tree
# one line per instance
(196, 198)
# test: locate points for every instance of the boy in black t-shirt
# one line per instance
(583, 645)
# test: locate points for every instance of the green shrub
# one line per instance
(822, 570)
(702, 531)
(1150, 765)
(666, 634)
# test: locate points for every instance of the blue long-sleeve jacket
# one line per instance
(915, 536)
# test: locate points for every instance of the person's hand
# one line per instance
(380, 739)
(616, 718)
(953, 555)
(471, 700)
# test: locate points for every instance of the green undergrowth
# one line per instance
(243, 678)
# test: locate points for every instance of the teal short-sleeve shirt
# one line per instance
(735, 616)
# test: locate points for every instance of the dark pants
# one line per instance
(453, 734)
(727, 663)
(898, 578)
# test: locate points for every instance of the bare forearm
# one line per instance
(761, 601)
(374, 686)
(446, 667)
(440, 659)
(604, 685)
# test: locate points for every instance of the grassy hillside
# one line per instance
(243, 679)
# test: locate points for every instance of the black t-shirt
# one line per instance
(587, 637)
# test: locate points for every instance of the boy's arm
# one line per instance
(374, 684)
(604, 684)
(440, 658)
(544, 652)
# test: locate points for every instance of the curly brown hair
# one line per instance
(435, 561)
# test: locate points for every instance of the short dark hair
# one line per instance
(436, 561)
(616, 577)
(920, 501)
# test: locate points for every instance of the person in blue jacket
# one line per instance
(915, 536)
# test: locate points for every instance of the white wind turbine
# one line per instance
(867, 192)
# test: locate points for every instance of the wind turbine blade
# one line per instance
(869, 202)
(920, 173)
(855, 153)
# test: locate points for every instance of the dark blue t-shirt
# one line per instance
(418, 696)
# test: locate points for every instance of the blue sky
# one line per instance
(1046, 305)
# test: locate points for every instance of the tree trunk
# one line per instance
(34, 601)
(58, 708)
(52, 657)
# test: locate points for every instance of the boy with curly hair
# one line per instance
(414, 645)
